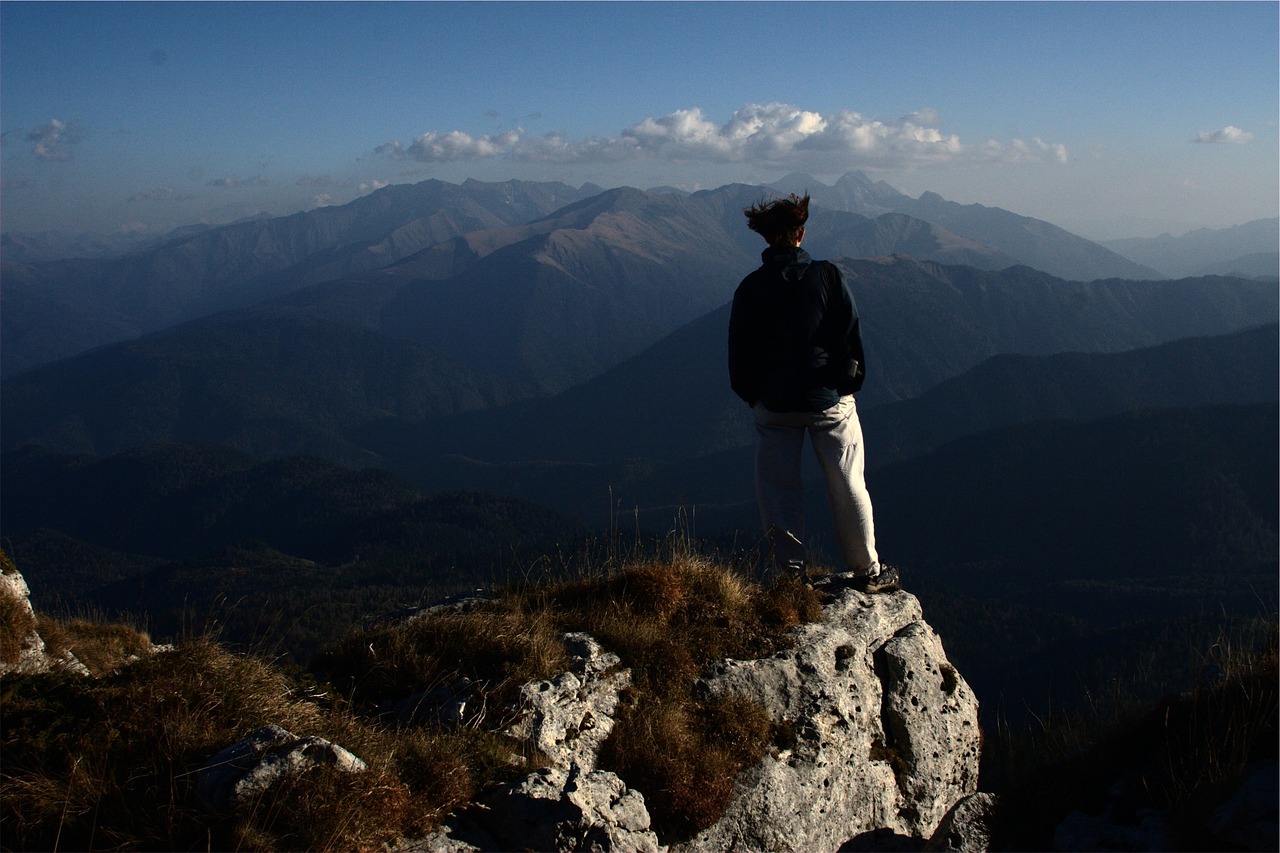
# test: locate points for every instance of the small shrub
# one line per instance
(685, 756)
(101, 646)
(498, 648)
(324, 809)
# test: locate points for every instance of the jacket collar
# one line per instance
(784, 256)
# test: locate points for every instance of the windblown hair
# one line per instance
(779, 220)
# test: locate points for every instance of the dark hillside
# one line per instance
(1007, 389)
(177, 501)
(922, 325)
(1141, 495)
(186, 532)
(266, 383)
(1055, 554)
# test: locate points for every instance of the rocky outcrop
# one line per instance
(569, 718)
(246, 769)
(878, 741)
(21, 648)
(552, 809)
(884, 730)
(568, 805)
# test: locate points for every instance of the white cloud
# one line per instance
(453, 145)
(53, 141)
(762, 134)
(236, 182)
(159, 194)
(370, 186)
(1229, 135)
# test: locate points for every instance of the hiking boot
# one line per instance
(888, 579)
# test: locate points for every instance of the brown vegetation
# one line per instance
(111, 761)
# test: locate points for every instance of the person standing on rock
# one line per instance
(795, 357)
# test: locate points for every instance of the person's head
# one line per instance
(781, 221)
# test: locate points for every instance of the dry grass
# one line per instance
(111, 761)
(102, 647)
(668, 619)
(1186, 755)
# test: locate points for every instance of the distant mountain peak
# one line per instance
(857, 177)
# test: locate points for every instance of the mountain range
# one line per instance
(1246, 249)
(330, 413)
(502, 238)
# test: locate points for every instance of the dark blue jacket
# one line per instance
(794, 340)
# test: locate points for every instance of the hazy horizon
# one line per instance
(1112, 120)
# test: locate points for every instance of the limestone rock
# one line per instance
(966, 828)
(23, 650)
(886, 731)
(570, 716)
(569, 805)
(553, 809)
(250, 766)
(557, 809)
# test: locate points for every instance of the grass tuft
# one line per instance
(668, 619)
(101, 646)
(111, 760)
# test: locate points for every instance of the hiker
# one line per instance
(795, 357)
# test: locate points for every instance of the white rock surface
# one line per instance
(29, 653)
(250, 766)
(886, 731)
(570, 716)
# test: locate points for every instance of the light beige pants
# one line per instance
(836, 435)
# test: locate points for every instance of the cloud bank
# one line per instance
(764, 134)
(1229, 135)
(233, 182)
(160, 194)
(54, 140)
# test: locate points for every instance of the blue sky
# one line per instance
(1110, 119)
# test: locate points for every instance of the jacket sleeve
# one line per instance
(744, 368)
(854, 364)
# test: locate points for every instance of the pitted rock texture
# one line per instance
(884, 731)
(570, 716)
